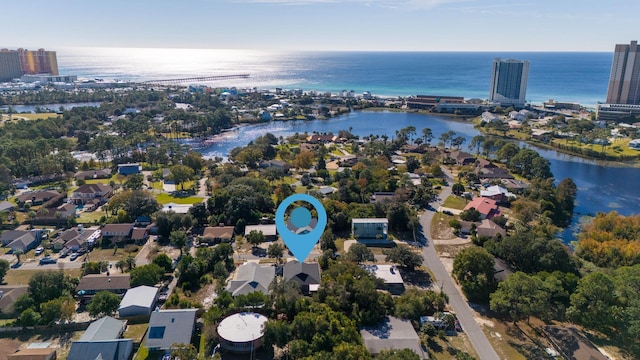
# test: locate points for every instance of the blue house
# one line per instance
(129, 169)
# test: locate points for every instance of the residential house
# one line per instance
(21, 239)
(89, 192)
(487, 207)
(275, 164)
(374, 228)
(57, 216)
(76, 238)
(251, 277)
(140, 235)
(116, 233)
(390, 275)
(268, 230)
(306, 275)
(489, 117)
(392, 333)
(93, 174)
(6, 206)
(105, 328)
(34, 354)
(494, 173)
(168, 327)
(8, 296)
(176, 208)
(321, 139)
(497, 193)
(138, 301)
(490, 229)
(381, 196)
(116, 349)
(35, 198)
(218, 234)
(129, 169)
(91, 284)
(459, 158)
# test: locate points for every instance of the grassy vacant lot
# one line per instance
(21, 277)
(167, 198)
(619, 148)
(100, 254)
(29, 116)
(447, 348)
(455, 202)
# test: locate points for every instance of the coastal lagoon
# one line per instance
(602, 186)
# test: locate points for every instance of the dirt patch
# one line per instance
(440, 229)
(206, 295)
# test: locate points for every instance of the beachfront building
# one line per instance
(624, 81)
(509, 82)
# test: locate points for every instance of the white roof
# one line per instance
(242, 327)
(388, 273)
(267, 230)
(370, 221)
(496, 190)
(176, 208)
(143, 296)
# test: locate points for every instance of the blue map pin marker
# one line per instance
(301, 243)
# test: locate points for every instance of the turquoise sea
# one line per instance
(564, 76)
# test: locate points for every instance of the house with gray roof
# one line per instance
(37, 197)
(392, 333)
(268, 230)
(21, 239)
(8, 296)
(117, 349)
(168, 327)
(6, 206)
(252, 277)
(138, 301)
(93, 174)
(106, 328)
(306, 275)
(93, 283)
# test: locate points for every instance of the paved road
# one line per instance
(443, 278)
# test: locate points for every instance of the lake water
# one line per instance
(602, 187)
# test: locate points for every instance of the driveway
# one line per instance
(443, 278)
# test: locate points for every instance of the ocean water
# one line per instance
(563, 76)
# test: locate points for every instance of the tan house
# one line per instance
(117, 232)
(89, 192)
(92, 284)
(34, 354)
(218, 234)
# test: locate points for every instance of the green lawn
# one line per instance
(135, 332)
(167, 198)
(90, 217)
(21, 277)
(455, 202)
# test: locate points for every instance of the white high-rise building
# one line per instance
(509, 82)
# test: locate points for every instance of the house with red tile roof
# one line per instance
(487, 207)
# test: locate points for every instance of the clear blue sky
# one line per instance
(418, 25)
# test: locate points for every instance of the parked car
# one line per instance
(48, 260)
(73, 256)
(39, 250)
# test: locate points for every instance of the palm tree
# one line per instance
(131, 262)
(121, 264)
(427, 135)
(17, 253)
